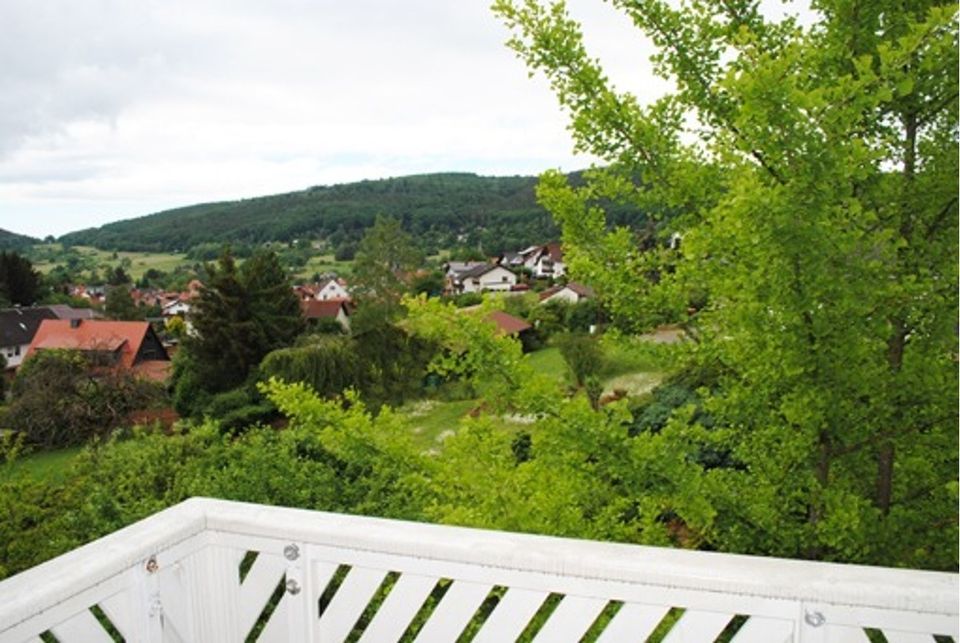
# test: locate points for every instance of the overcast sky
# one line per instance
(111, 109)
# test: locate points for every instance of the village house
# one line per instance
(17, 329)
(333, 290)
(335, 309)
(129, 345)
(572, 293)
(18, 326)
(543, 262)
(481, 278)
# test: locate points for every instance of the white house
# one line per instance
(333, 289)
(179, 306)
(547, 261)
(17, 328)
(485, 277)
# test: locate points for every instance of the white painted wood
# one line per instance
(633, 622)
(570, 620)
(695, 627)
(850, 597)
(764, 630)
(211, 584)
(82, 628)
(511, 615)
(119, 608)
(567, 585)
(349, 602)
(277, 629)
(907, 637)
(454, 611)
(403, 602)
(929, 592)
(257, 587)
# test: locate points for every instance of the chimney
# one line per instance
(75, 323)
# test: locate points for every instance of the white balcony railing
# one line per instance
(185, 574)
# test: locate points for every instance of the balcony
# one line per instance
(211, 570)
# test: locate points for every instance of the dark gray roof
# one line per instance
(62, 311)
(19, 325)
(478, 271)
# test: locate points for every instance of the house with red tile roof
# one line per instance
(130, 345)
(336, 309)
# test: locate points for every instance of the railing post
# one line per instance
(147, 617)
(300, 597)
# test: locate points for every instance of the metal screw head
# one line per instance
(291, 552)
(814, 619)
(293, 587)
(152, 565)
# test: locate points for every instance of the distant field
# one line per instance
(325, 263)
(140, 262)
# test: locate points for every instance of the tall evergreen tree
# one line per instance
(20, 284)
(240, 315)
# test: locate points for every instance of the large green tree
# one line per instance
(813, 173)
(384, 263)
(20, 284)
(241, 314)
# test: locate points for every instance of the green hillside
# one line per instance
(12, 241)
(440, 210)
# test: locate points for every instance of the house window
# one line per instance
(503, 279)
(16, 351)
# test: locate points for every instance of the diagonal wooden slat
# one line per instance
(764, 630)
(277, 629)
(119, 609)
(349, 602)
(82, 628)
(571, 619)
(633, 622)
(402, 604)
(511, 616)
(894, 636)
(257, 587)
(696, 626)
(454, 612)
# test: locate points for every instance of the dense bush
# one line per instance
(385, 364)
(60, 399)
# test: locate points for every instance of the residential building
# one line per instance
(130, 345)
(481, 278)
(336, 309)
(18, 326)
(572, 293)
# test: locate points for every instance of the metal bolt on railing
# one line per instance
(814, 619)
(293, 587)
(291, 552)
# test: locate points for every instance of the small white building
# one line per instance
(333, 289)
(486, 277)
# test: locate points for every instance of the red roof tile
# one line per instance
(91, 335)
(508, 324)
(319, 309)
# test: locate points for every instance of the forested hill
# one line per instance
(440, 210)
(12, 241)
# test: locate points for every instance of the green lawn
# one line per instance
(325, 263)
(49, 465)
(630, 366)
